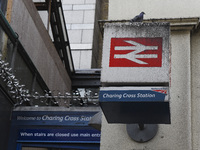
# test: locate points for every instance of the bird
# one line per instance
(138, 18)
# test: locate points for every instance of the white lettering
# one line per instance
(106, 95)
(96, 135)
(62, 135)
(84, 134)
(52, 118)
(68, 118)
(84, 118)
(50, 134)
(147, 95)
(25, 118)
(26, 134)
(39, 134)
(74, 134)
(125, 95)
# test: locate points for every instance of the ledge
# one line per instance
(179, 23)
(191, 24)
(56, 108)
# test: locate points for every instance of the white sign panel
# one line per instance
(136, 53)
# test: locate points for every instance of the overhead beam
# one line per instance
(42, 6)
(86, 78)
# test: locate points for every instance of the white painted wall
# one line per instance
(195, 93)
(153, 9)
(177, 135)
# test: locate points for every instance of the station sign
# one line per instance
(136, 53)
(70, 118)
(134, 94)
(138, 104)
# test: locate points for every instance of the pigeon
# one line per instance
(138, 18)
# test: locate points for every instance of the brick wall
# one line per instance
(80, 18)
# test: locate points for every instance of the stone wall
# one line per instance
(35, 39)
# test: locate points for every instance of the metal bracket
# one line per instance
(142, 132)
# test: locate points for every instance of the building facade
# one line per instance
(36, 62)
(183, 132)
(30, 43)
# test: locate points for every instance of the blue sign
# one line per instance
(53, 127)
(67, 135)
(72, 118)
(133, 94)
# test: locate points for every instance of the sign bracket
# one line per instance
(141, 132)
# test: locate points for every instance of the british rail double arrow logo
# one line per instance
(136, 52)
